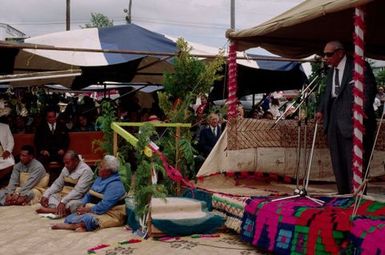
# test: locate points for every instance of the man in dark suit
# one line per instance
(51, 139)
(209, 135)
(336, 112)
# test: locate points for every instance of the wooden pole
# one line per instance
(68, 15)
(177, 139)
(129, 17)
(40, 75)
(115, 143)
(232, 14)
(148, 53)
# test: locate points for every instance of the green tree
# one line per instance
(107, 116)
(318, 78)
(191, 78)
(380, 76)
(99, 20)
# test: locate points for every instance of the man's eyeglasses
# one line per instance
(330, 54)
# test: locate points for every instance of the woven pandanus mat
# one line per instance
(254, 133)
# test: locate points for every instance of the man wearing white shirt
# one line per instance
(6, 146)
(51, 139)
(336, 112)
(209, 136)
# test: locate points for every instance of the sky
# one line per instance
(201, 21)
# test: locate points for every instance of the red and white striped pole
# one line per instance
(232, 82)
(358, 94)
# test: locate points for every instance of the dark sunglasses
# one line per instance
(330, 54)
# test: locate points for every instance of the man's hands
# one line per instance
(22, 200)
(16, 199)
(44, 201)
(319, 117)
(10, 199)
(6, 154)
(83, 210)
(44, 153)
(61, 152)
(61, 209)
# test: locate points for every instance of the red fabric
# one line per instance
(232, 84)
(201, 108)
(172, 173)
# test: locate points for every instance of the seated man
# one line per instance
(103, 206)
(83, 124)
(6, 146)
(63, 197)
(28, 180)
(51, 139)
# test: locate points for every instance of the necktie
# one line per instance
(337, 86)
(52, 128)
(214, 131)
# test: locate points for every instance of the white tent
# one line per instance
(304, 29)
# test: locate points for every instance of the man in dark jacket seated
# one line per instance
(51, 139)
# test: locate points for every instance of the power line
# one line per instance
(121, 19)
(182, 23)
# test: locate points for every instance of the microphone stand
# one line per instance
(302, 191)
(306, 92)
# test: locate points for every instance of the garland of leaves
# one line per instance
(144, 189)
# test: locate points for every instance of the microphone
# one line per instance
(323, 66)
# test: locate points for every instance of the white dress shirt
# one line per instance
(7, 143)
(341, 69)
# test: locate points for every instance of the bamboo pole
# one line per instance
(115, 143)
(139, 124)
(147, 53)
(40, 75)
(177, 139)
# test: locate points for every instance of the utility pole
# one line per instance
(232, 14)
(68, 15)
(128, 16)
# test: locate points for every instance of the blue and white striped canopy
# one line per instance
(124, 37)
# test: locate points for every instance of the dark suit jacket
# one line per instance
(207, 140)
(344, 101)
(52, 142)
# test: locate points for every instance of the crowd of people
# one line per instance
(88, 204)
(75, 192)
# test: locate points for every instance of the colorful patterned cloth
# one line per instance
(231, 207)
(368, 235)
(300, 226)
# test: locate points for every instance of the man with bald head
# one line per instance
(336, 112)
(63, 197)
